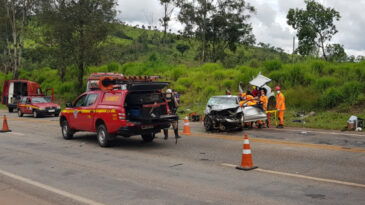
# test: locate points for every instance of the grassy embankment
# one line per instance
(333, 91)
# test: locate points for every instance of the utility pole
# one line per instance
(293, 50)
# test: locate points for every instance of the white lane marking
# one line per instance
(228, 165)
(303, 176)
(330, 133)
(51, 189)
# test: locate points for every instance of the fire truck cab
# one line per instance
(13, 90)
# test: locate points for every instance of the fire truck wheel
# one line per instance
(20, 114)
(148, 137)
(103, 136)
(35, 114)
(66, 131)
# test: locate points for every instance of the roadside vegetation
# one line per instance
(203, 60)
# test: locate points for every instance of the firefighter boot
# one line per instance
(177, 134)
(166, 133)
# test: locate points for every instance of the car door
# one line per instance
(75, 119)
(86, 113)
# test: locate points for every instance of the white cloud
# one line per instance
(269, 24)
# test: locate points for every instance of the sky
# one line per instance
(269, 22)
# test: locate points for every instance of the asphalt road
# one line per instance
(296, 166)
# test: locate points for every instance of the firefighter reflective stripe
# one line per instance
(31, 106)
(91, 110)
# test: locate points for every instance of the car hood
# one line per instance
(46, 104)
(223, 107)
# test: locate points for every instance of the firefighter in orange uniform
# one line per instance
(280, 106)
(263, 100)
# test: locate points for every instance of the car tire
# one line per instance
(148, 137)
(20, 114)
(67, 133)
(208, 123)
(35, 114)
(57, 114)
(103, 136)
(10, 109)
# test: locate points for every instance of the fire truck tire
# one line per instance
(104, 138)
(148, 137)
(67, 133)
(35, 114)
(10, 109)
(20, 114)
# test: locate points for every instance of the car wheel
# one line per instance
(57, 114)
(103, 136)
(66, 131)
(20, 114)
(208, 123)
(148, 137)
(10, 109)
(35, 114)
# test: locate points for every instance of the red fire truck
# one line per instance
(125, 105)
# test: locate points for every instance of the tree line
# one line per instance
(73, 31)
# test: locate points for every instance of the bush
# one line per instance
(325, 82)
(351, 91)
(318, 66)
(272, 65)
(228, 83)
(177, 73)
(331, 98)
(218, 75)
(210, 91)
(185, 82)
(211, 67)
(301, 98)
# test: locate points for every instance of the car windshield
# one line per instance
(222, 101)
(40, 100)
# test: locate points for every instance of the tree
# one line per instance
(218, 24)
(15, 17)
(77, 29)
(314, 25)
(336, 53)
(168, 9)
(182, 48)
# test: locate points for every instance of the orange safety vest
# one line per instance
(280, 101)
(264, 101)
(250, 100)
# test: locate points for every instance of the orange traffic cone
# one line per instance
(186, 126)
(246, 162)
(5, 126)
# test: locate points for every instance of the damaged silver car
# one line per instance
(224, 113)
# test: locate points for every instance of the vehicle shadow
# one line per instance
(130, 143)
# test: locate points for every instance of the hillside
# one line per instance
(333, 91)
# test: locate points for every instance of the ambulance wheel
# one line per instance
(67, 133)
(35, 114)
(20, 114)
(148, 137)
(103, 136)
(10, 109)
